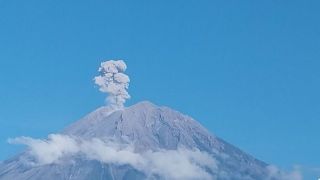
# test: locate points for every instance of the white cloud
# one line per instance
(48, 151)
(171, 164)
(113, 81)
(276, 173)
(181, 164)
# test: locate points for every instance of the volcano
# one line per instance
(150, 130)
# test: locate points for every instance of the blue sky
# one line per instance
(247, 70)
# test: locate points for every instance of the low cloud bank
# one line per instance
(276, 173)
(170, 164)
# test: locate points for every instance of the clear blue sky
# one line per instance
(247, 70)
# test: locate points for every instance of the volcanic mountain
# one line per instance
(161, 143)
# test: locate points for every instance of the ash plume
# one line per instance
(114, 82)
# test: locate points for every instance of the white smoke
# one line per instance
(113, 81)
(170, 164)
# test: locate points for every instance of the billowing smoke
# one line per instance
(113, 81)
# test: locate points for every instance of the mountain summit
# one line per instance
(143, 141)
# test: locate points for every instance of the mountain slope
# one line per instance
(148, 128)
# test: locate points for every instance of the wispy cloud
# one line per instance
(171, 164)
(276, 173)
